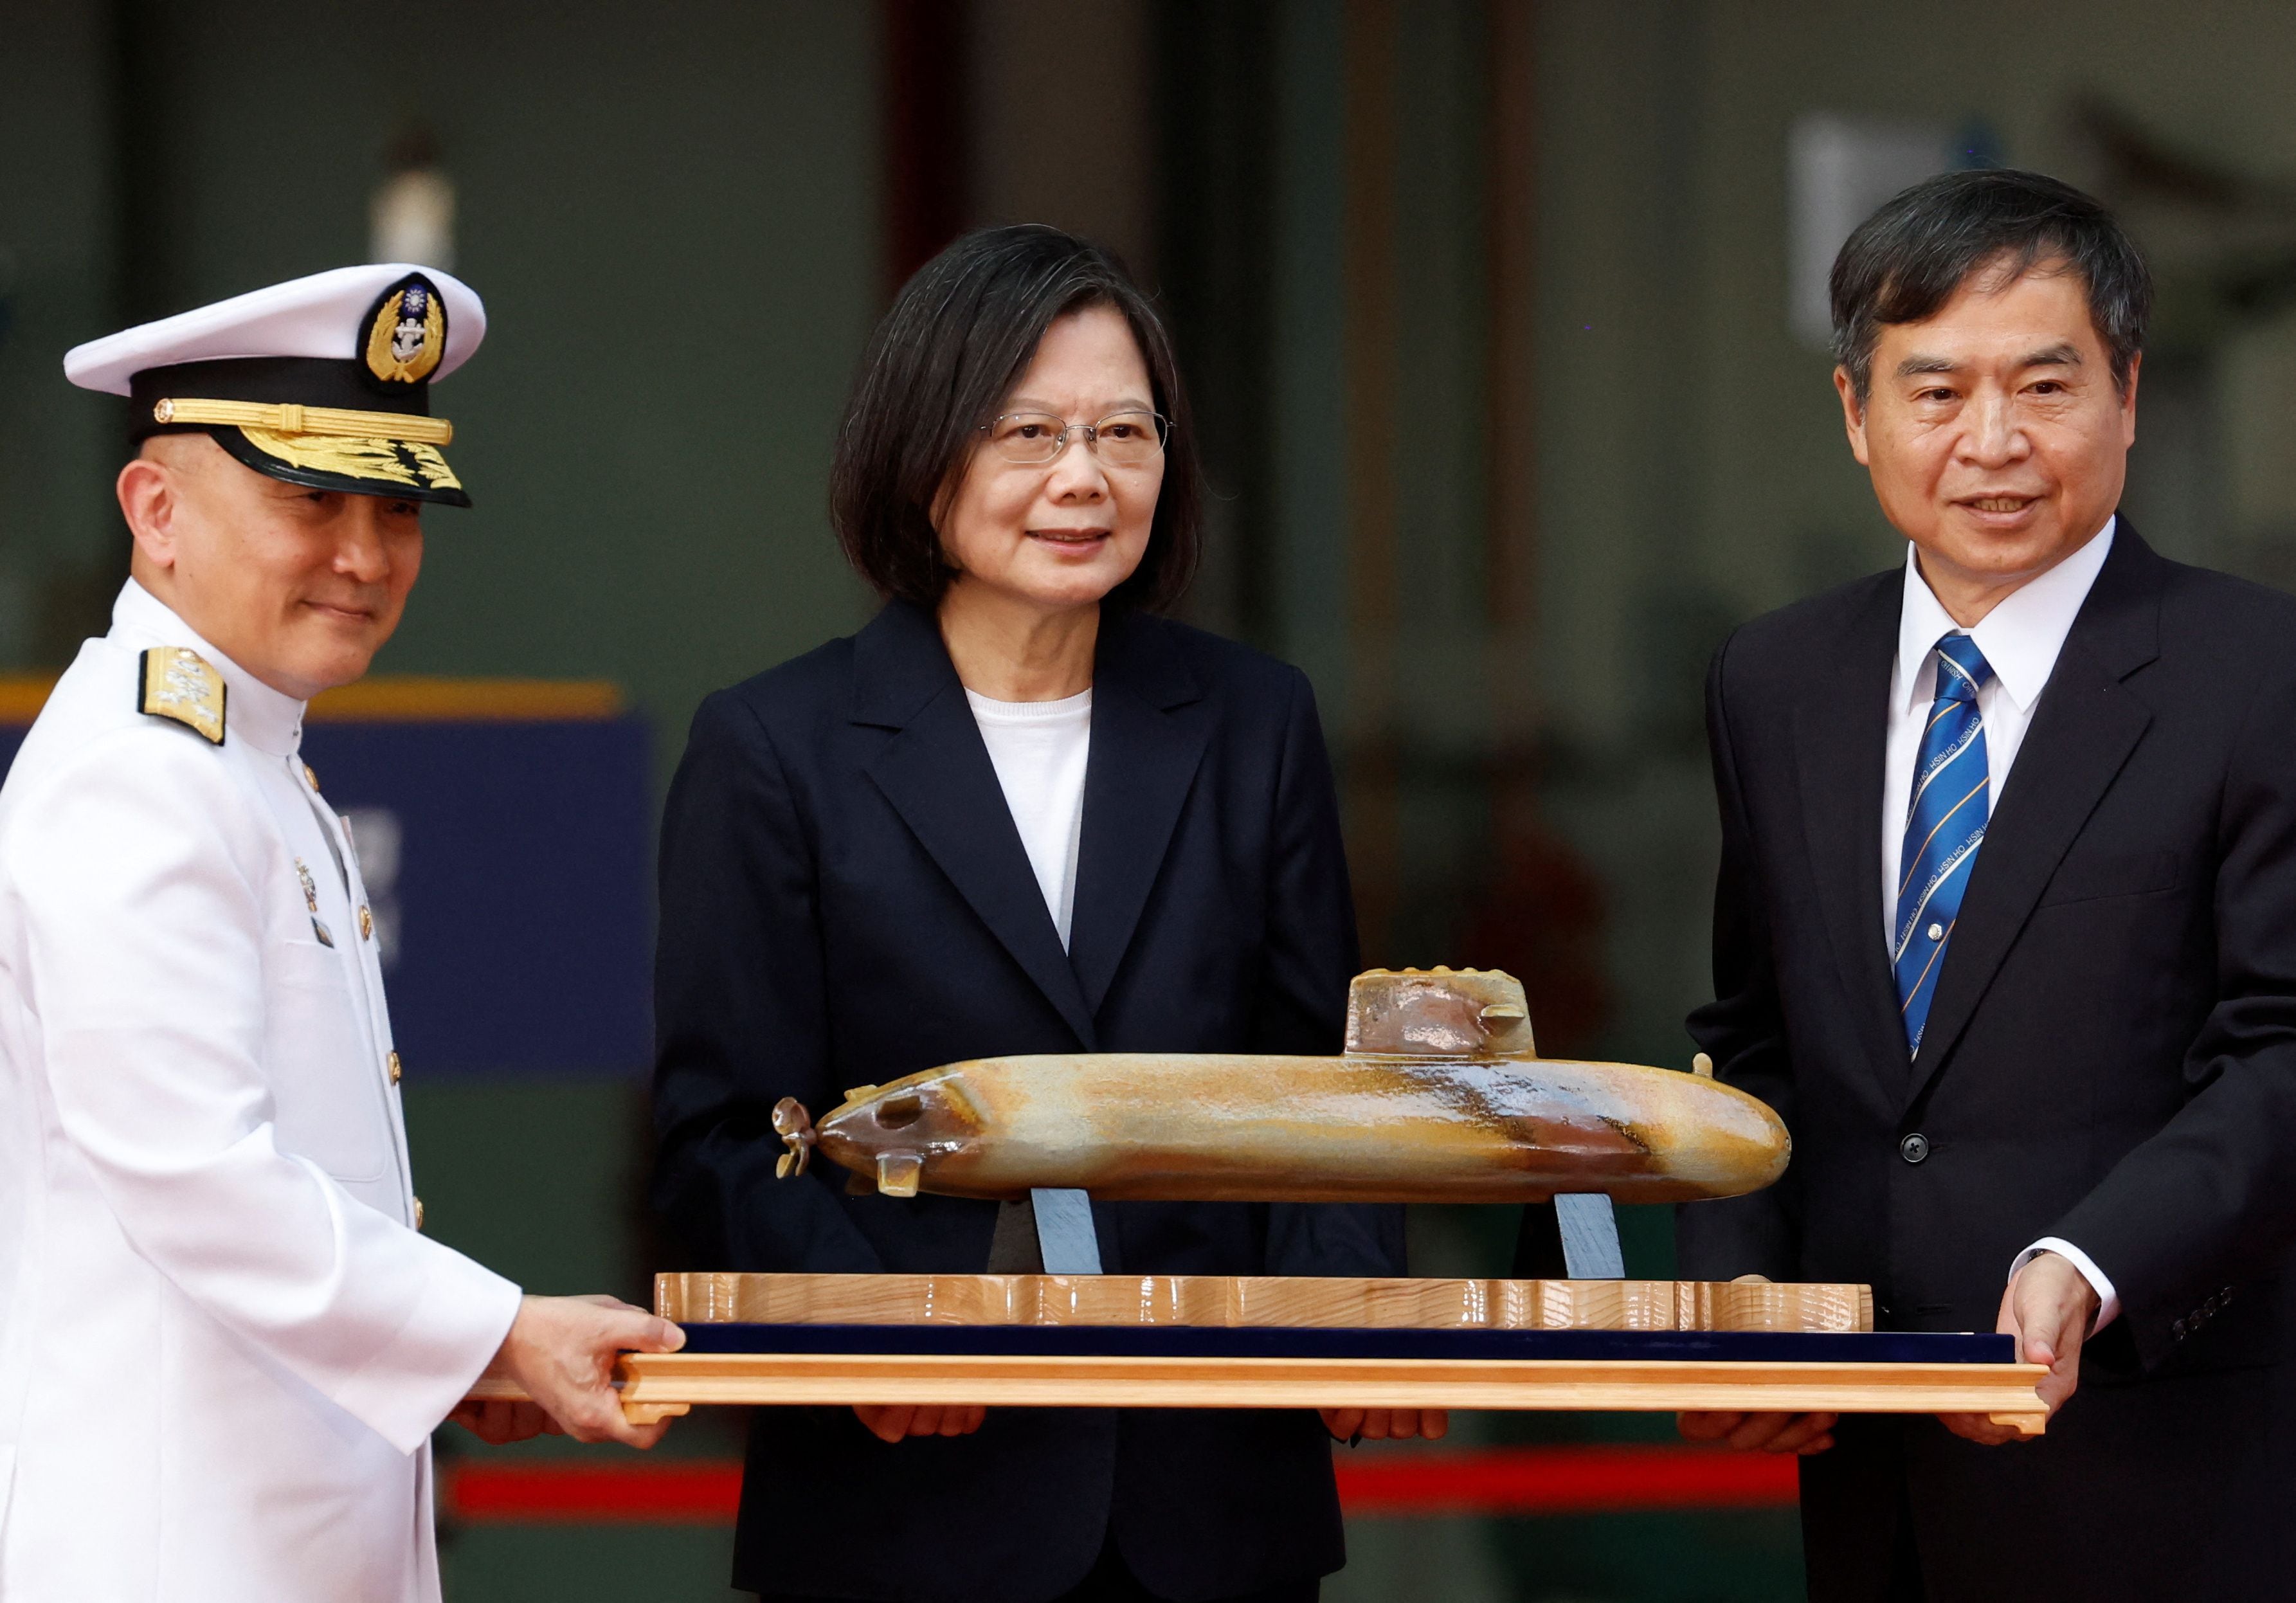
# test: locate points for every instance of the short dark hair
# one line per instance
(958, 338)
(1910, 257)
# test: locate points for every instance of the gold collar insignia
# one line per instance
(177, 683)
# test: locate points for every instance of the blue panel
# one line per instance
(1187, 1341)
(520, 899)
(509, 866)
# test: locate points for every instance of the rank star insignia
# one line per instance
(176, 682)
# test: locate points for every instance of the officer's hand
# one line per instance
(1386, 1424)
(2047, 1306)
(892, 1421)
(561, 1350)
(1803, 1433)
(496, 1422)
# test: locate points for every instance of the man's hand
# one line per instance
(1803, 1433)
(2048, 1306)
(892, 1421)
(1386, 1424)
(562, 1350)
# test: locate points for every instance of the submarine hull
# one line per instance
(1171, 1127)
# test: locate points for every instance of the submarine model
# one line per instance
(1438, 1096)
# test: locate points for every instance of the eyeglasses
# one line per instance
(1121, 439)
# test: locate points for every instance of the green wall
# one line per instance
(670, 211)
(59, 284)
(1691, 461)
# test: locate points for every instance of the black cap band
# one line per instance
(274, 380)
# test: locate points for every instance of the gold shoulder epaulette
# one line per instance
(177, 683)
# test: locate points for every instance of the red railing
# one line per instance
(1564, 1480)
(1516, 1480)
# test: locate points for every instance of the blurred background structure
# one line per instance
(1504, 323)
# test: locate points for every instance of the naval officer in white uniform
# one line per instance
(224, 1342)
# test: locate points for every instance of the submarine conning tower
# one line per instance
(1439, 1012)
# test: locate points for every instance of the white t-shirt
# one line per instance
(1039, 750)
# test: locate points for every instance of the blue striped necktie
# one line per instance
(1945, 825)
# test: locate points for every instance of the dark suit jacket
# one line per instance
(2111, 1058)
(845, 900)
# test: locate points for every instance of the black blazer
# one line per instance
(845, 900)
(2111, 1058)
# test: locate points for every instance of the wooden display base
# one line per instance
(656, 1386)
(1210, 1340)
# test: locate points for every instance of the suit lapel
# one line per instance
(1149, 730)
(1840, 738)
(935, 770)
(2083, 731)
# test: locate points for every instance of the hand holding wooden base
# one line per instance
(655, 1386)
(1217, 1341)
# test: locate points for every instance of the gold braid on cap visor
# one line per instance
(291, 419)
(391, 448)
(407, 461)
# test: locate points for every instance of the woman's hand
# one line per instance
(892, 1421)
(1386, 1424)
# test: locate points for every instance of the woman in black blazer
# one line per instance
(1018, 812)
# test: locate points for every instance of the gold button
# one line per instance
(394, 1068)
(418, 1212)
(312, 775)
(367, 922)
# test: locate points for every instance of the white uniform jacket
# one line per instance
(223, 1344)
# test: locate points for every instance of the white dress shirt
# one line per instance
(2019, 638)
(1040, 750)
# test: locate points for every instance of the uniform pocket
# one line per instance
(324, 1080)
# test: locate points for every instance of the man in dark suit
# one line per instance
(2006, 931)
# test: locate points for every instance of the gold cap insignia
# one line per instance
(407, 332)
(177, 683)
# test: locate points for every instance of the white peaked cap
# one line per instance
(318, 316)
